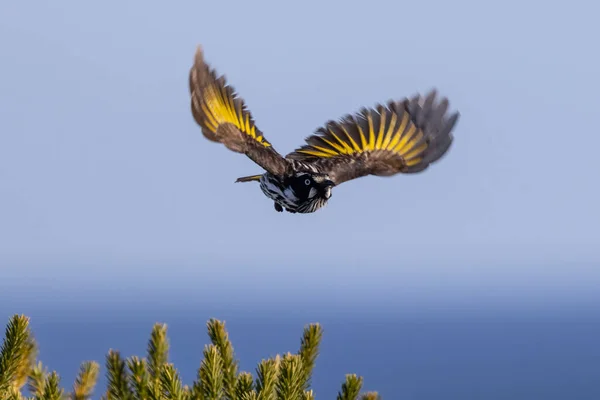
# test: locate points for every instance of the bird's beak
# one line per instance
(327, 185)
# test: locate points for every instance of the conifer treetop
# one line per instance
(282, 377)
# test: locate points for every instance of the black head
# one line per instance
(312, 190)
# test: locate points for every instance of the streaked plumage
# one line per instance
(399, 137)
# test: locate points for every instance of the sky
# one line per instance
(109, 191)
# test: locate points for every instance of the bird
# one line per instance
(402, 136)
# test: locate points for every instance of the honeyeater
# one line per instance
(403, 136)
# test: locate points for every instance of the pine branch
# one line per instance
(249, 396)
(158, 356)
(197, 392)
(308, 395)
(187, 392)
(371, 396)
(118, 387)
(138, 377)
(27, 362)
(172, 388)
(52, 390)
(244, 385)
(267, 375)
(286, 378)
(85, 381)
(15, 354)
(220, 338)
(309, 351)
(13, 394)
(350, 388)
(211, 374)
(291, 374)
(37, 380)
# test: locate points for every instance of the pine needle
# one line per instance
(291, 375)
(13, 394)
(249, 396)
(371, 396)
(308, 395)
(309, 351)
(158, 356)
(197, 392)
(26, 362)
(16, 354)
(220, 338)
(211, 374)
(37, 380)
(351, 388)
(52, 390)
(267, 376)
(118, 387)
(86, 380)
(138, 377)
(158, 350)
(244, 385)
(172, 388)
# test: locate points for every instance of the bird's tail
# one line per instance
(248, 178)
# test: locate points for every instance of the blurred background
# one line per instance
(476, 279)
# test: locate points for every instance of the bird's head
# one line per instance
(312, 190)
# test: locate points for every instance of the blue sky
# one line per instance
(106, 183)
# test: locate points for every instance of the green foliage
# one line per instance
(291, 374)
(118, 383)
(138, 378)
(267, 373)
(158, 356)
(244, 387)
(85, 381)
(17, 355)
(350, 388)
(219, 337)
(286, 377)
(37, 380)
(309, 350)
(52, 390)
(170, 384)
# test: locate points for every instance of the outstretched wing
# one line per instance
(223, 117)
(400, 137)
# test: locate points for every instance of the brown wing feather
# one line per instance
(401, 137)
(224, 118)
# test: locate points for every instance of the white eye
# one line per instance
(307, 182)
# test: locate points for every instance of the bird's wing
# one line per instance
(224, 118)
(400, 137)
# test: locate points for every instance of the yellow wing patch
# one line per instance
(221, 106)
(215, 103)
(381, 129)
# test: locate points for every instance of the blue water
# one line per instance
(500, 355)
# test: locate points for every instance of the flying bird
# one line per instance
(404, 136)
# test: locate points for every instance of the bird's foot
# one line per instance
(278, 207)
